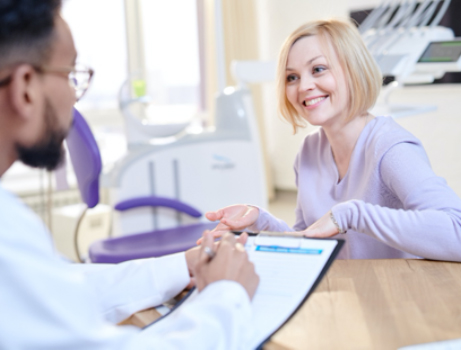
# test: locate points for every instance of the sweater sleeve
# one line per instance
(428, 225)
(268, 222)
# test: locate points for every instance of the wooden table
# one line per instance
(372, 304)
(377, 304)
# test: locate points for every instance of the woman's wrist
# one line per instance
(340, 230)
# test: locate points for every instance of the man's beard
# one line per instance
(48, 152)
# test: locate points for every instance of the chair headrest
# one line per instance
(85, 158)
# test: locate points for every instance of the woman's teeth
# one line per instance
(314, 101)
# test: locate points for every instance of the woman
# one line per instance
(359, 174)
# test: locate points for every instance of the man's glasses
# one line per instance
(79, 77)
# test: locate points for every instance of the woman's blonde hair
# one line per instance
(363, 77)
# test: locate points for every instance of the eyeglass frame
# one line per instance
(49, 69)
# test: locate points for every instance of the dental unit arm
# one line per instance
(402, 35)
(410, 47)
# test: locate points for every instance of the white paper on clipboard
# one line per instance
(277, 239)
(287, 275)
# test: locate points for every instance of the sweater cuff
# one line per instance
(261, 223)
(343, 214)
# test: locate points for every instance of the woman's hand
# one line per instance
(232, 218)
(322, 228)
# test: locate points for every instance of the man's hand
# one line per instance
(230, 263)
(232, 218)
(192, 255)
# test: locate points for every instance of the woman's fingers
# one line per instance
(236, 224)
(315, 233)
(214, 215)
(215, 234)
(242, 239)
(322, 228)
(232, 218)
(221, 226)
(311, 233)
(295, 233)
(247, 216)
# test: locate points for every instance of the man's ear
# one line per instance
(25, 91)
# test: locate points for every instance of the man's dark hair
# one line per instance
(26, 30)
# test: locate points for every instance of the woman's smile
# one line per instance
(313, 102)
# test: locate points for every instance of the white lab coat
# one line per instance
(47, 303)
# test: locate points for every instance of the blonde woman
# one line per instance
(358, 173)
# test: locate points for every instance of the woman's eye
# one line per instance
(319, 69)
(291, 78)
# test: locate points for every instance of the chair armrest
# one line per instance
(154, 201)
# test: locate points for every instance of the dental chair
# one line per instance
(86, 161)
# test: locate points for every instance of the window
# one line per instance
(171, 54)
(99, 33)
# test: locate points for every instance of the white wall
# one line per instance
(440, 130)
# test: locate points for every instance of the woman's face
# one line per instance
(318, 94)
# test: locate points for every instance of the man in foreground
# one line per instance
(47, 303)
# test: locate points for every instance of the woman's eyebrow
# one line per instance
(313, 59)
(307, 63)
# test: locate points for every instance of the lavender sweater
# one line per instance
(390, 201)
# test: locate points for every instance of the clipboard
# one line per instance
(324, 269)
(330, 247)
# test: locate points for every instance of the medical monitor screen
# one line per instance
(442, 51)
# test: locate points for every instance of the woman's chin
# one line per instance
(315, 121)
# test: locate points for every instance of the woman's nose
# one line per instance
(306, 83)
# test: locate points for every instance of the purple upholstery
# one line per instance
(158, 202)
(86, 160)
(146, 245)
